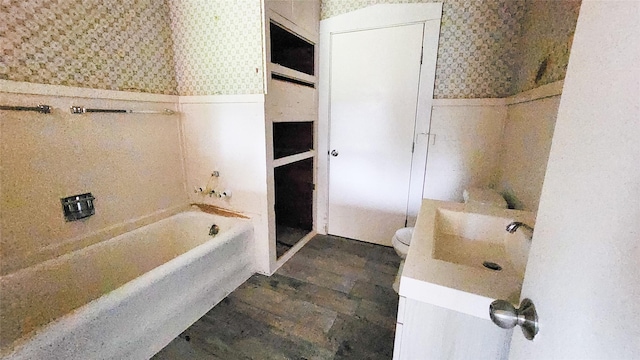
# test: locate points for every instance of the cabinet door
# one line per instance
(283, 8)
(305, 14)
(432, 332)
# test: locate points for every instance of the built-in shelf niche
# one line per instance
(290, 138)
(290, 50)
(291, 112)
(293, 203)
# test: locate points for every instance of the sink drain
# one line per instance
(492, 266)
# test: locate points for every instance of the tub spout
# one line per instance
(511, 228)
(215, 229)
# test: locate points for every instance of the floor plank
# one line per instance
(332, 300)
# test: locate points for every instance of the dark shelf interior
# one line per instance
(290, 138)
(290, 50)
(293, 203)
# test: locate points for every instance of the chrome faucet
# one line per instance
(511, 228)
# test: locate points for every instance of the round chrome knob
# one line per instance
(506, 316)
(334, 153)
(503, 314)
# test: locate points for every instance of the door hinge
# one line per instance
(421, 56)
(406, 222)
(413, 147)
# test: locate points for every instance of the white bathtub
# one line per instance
(125, 298)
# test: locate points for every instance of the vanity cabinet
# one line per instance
(426, 331)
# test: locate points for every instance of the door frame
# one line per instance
(373, 17)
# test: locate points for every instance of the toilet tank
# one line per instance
(488, 197)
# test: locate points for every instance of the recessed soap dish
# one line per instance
(78, 207)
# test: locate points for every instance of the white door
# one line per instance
(374, 89)
(583, 273)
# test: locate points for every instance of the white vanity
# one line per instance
(447, 283)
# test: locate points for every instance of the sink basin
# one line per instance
(475, 240)
(462, 258)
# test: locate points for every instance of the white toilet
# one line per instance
(479, 196)
(484, 197)
(401, 240)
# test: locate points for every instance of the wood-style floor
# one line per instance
(332, 300)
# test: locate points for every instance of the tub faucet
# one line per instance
(215, 229)
(511, 228)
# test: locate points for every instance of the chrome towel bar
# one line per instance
(83, 110)
(43, 109)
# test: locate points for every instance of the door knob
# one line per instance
(334, 153)
(506, 316)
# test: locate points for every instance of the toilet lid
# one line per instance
(404, 235)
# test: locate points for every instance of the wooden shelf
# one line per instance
(292, 74)
(293, 158)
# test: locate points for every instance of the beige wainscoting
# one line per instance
(131, 163)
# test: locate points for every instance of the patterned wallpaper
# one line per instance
(481, 51)
(476, 52)
(488, 48)
(545, 42)
(217, 46)
(101, 44)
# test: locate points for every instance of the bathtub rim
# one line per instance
(53, 261)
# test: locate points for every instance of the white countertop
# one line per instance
(462, 288)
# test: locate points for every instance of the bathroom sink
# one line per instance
(462, 258)
(472, 239)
